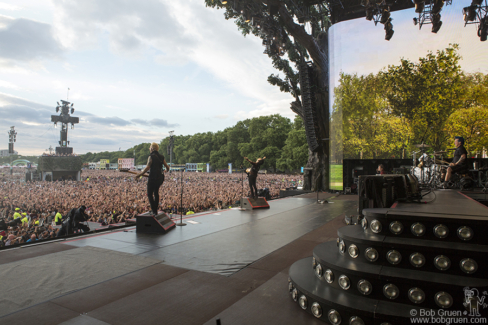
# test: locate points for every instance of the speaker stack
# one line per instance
(395, 267)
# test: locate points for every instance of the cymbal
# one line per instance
(423, 145)
(438, 153)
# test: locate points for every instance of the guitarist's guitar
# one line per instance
(131, 172)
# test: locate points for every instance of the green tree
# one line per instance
(471, 124)
(295, 151)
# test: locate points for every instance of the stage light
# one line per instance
(468, 265)
(364, 223)
(417, 228)
(417, 259)
(334, 317)
(385, 15)
(355, 320)
(469, 13)
(344, 282)
(371, 254)
(302, 301)
(314, 262)
(394, 257)
(365, 287)
(290, 287)
(476, 2)
(342, 246)
(465, 233)
(415, 21)
(294, 294)
(419, 7)
(437, 7)
(436, 22)
(316, 310)
(416, 295)
(388, 35)
(318, 271)
(369, 14)
(376, 226)
(390, 291)
(353, 251)
(443, 299)
(396, 227)
(483, 29)
(441, 231)
(442, 262)
(224, 2)
(329, 276)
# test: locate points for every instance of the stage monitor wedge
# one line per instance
(248, 203)
(150, 224)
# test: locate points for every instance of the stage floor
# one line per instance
(231, 265)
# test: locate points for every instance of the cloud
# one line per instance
(28, 40)
(114, 120)
(155, 122)
(222, 117)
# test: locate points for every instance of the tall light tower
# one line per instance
(12, 137)
(64, 118)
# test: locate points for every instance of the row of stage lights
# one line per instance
(441, 262)
(333, 315)
(391, 291)
(429, 13)
(441, 231)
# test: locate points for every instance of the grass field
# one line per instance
(336, 177)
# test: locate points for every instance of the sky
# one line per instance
(139, 69)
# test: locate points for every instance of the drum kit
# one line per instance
(430, 170)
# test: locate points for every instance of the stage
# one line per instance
(230, 264)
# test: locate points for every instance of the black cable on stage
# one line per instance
(435, 197)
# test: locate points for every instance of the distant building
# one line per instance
(4, 153)
(191, 167)
(92, 165)
(126, 163)
(104, 164)
(113, 166)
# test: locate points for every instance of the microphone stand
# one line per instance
(181, 223)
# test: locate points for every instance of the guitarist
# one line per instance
(253, 175)
(155, 179)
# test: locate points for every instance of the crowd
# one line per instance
(112, 197)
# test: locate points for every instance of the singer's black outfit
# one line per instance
(253, 175)
(462, 167)
(155, 180)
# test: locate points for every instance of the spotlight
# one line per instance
(364, 223)
(396, 227)
(415, 21)
(365, 287)
(389, 34)
(369, 14)
(316, 310)
(371, 254)
(342, 246)
(468, 265)
(419, 7)
(290, 287)
(465, 233)
(443, 299)
(436, 22)
(314, 262)
(483, 29)
(355, 320)
(442, 262)
(72, 110)
(334, 317)
(353, 251)
(302, 301)
(476, 2)
(318, 271)
(394, 257)
(437, 7)
(329, 276)
(416, 295)
(417, 228)
(390, 291)
(417, 259)
(384, 16)
(441, 231)
(469, 13)
(294, 294)
(375, 226)
(344, 282)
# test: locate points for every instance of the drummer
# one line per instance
(459, 162)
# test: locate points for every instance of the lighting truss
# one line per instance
(429, 16)
(477, 14)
